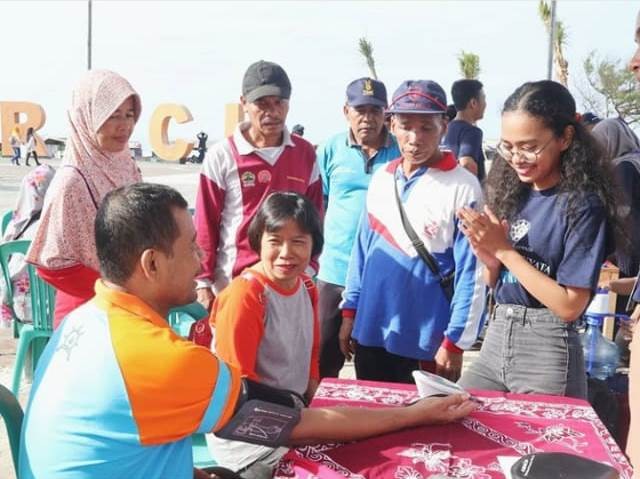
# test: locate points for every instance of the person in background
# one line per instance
(622, 148)
(347, 162)
(542, 238)
(15, 142)
(22, 226)
(589, 120)
(119, 394)
(298, 130)
(451, 113)
(398, 314)
(104, 110)
(239, 172)
(30, 147)
(463, 136)
(633, 448)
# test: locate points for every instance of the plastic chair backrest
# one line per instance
(6, 218)
(6, 250)
(12, 414)
(43, 301)
(193, 311)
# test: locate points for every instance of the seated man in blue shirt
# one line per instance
(118, 394)
(463, 137)
(347, 161)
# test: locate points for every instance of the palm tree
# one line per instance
(469, 64)
(366, 50)
(559, 41)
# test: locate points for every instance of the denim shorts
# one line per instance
(529, 351)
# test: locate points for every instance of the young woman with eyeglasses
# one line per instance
(542, 238)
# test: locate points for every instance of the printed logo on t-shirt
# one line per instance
(431, 229)
(248, 179)
(264, 176)
(518, 230)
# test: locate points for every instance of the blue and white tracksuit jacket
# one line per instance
(399, 304)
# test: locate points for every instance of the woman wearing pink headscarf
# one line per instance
(104, 110)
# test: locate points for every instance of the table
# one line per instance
(504, 425)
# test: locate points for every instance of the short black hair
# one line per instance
(451, 112)
(132, 219)
(280, 207)
(463, 91)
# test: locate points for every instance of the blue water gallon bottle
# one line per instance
(601, 355)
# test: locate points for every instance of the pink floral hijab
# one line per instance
(87, 173)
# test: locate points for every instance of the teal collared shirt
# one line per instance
(346, 171)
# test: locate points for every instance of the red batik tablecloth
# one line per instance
(505, 425)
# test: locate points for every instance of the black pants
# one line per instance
(377, 364)
(35, 157)
(330, 317)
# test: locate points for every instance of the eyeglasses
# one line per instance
(527, 156)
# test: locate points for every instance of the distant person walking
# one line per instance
(104, 110)
(15, 142)
(30, 147)
(463, 136)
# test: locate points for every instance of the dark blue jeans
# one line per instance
(529, 351)
(16, 156)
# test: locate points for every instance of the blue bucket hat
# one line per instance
(419, 96)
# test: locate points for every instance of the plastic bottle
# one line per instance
(601, 355)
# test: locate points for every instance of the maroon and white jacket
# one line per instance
(236, 177)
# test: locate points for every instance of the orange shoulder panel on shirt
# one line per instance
(238, 319)
(169, 381)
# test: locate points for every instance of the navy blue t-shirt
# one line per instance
(464, 139)
(569, 251)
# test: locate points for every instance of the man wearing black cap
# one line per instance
(414, 296)
(240, 171)
(347, 161)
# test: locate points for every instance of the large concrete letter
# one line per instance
(159, 132)
(10, 111)
(233, 114)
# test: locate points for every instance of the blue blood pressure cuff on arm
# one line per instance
(264, 415)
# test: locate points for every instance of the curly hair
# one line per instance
(584, 169)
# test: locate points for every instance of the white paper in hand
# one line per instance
(429, 384)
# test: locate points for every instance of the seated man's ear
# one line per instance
(148, 263)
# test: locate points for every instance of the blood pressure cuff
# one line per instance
(264, 415)
(546, 465)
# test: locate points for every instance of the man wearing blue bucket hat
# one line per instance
(414, 296)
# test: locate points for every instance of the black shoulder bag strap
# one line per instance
(446, 282)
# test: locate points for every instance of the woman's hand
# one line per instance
(486, 233)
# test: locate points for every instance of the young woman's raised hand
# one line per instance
(486, 233)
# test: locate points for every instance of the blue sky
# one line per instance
(195, 52)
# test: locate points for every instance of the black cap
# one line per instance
(265, 79)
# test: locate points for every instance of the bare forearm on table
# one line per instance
(349, 423)
(567, 303)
